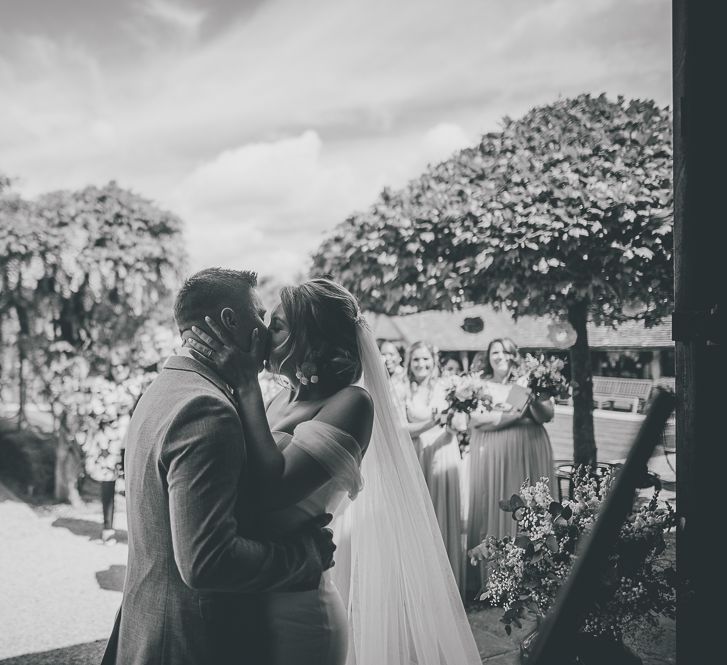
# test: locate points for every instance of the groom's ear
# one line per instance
(229, 319)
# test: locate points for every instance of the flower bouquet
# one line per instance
(526, 573)
(463, 394)
(543, 376)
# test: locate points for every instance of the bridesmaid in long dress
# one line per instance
(395, 370)
(422, 396)
(506, 447)
(438, 451)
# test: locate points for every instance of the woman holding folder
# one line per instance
(507, 445)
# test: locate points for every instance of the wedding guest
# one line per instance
(478, 362)
(507, 446)
(423, 398)
(451, 367)
(103, 465)
(394, 368)
(438, 451)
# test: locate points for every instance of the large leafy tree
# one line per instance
(566, 212)
(81, 273)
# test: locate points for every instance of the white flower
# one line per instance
(460, 421)
(464, 392)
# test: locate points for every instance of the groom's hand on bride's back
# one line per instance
(314, 543)
(323, 538)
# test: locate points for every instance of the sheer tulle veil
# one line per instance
(391, 566)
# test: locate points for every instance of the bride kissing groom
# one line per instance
(228, 498)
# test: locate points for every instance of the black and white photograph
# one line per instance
(360, 333)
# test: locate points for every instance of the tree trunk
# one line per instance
(584, 440)
(22, 356)
(22, 391)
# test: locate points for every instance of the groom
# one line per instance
(195, 560)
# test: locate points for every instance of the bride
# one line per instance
(333, 442)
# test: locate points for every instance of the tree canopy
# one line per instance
(86, 282)
(87, 267)
(566, 212)
(570, 203)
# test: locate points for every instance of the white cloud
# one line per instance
(268, 205)
(264, 204)
(442, 140)
(261, 174)
(175, 15)
(275, 128)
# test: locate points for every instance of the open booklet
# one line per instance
(518, 397)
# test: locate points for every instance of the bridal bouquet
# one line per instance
(463, 394)
(543, 376)
(526, 573)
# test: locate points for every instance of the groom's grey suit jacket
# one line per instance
(194, 568)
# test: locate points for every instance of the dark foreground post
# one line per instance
(700, 276)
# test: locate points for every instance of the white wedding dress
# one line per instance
(311, 627)
(391, 598)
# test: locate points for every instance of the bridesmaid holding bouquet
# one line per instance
(508, 444)
(438, 451)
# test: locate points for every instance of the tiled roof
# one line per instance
(444, 330)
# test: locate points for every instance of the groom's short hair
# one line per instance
(209, 291)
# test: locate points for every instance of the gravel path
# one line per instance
(60, 586)
(60, 589)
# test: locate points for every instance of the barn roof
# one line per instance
(444, 330)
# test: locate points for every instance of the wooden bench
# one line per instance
(612, 390)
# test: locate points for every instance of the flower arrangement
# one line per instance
(463, 394)
(543, 376)
(526, 573)
(93, 410)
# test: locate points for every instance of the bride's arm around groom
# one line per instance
(205, 473)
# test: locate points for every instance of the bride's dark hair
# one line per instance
(323, 318)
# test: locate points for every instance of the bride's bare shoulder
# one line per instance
(352, 410)
(352, 397)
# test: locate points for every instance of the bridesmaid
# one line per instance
(438, 451)
(505, 448)
(395, 370)
(422, 398)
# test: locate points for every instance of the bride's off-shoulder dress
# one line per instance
(311, 627)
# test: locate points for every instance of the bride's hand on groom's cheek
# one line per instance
(220, 351)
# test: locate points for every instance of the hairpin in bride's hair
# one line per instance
(361, 320)
(307, 373)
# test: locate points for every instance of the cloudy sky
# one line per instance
(263, 123)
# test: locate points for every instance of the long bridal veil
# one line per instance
(391, 566)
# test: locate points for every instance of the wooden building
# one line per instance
(630, 351)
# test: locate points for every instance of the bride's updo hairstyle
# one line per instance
(323, 318)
